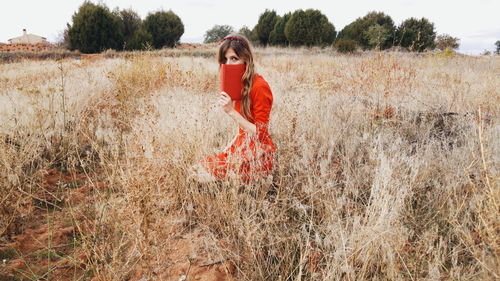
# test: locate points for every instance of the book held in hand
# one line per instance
(231, 79)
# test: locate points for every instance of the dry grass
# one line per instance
(387, 169)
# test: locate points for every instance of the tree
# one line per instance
(497, 44)
(63, 37)
(309, 28)
(416, 35)
(376, 35)
(277, 36)
(486, 53)
(444, 41)
(165, 27)
(374, 30)
(265, 25)
(345, 46)
(131, 22)
(254, 37)
(217, 33)
(94, 29)
(245, 31)
(140, 40)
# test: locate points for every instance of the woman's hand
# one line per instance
(225, 102)
(228, 106)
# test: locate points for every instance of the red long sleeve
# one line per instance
(262, 102)
(251, 156)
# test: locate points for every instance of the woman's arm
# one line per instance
(227, 105)
(230, 143)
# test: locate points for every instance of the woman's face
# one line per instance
(232, 57)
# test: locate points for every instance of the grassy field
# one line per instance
(387, 169)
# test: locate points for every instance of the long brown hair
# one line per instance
(241, 47)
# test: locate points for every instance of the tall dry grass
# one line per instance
(387, 165)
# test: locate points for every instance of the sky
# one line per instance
(476, 23)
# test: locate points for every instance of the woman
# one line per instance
(250, 155)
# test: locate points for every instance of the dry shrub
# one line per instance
(386, 169)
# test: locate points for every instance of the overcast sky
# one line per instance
(476, 23)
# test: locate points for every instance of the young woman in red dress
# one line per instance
(250, 155)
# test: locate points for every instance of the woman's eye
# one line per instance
(234, 59)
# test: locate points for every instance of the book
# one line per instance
(231, 79)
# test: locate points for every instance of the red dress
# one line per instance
(249, 156)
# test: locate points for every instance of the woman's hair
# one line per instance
(241, 47)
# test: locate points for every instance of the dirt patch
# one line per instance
(45, 242)
(192, 256)
(50, 243)
(43, 250)
(18, 47)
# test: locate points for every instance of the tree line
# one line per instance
(96, 28)
(375, 30)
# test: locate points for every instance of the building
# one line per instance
(28, 39)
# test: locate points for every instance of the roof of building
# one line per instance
(28, 37)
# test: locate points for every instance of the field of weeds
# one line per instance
(387, 169)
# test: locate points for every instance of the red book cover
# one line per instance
(231, 79)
